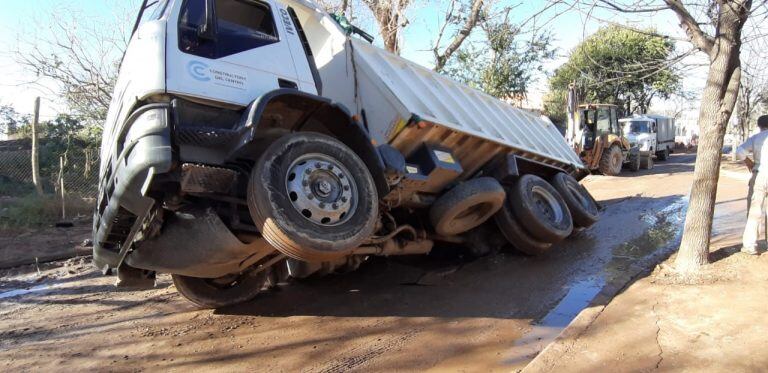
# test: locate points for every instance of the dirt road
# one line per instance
(406, 314)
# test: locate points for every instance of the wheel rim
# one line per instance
(321, 189)
(547, 204)
(616, 160)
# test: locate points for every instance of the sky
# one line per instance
(18, 20)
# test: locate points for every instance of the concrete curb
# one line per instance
(581, 323)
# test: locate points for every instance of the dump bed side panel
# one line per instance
(394, 90)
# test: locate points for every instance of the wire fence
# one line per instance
(68, 178)
(76, 172)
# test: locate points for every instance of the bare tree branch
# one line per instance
(469, 24)
(691, 27)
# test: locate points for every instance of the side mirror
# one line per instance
(207, 31)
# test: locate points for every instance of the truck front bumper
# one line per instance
(123, 204)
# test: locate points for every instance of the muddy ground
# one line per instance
(439, 313)
(713, 321)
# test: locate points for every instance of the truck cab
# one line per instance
(640, 132)
(652, 134)
(197, 79)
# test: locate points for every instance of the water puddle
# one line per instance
(662, 233)
(35, 289)
(543, 332)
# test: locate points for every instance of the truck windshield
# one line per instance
(604, 121)
(637, 127)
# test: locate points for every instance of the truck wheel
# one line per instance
(663, 155)
(611, 160)
(515, 234)
(646, 162)
(220, 292)
(541, 209)
(583, 209)
(466, 206)
(312, 198)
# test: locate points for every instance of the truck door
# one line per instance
(230, 51)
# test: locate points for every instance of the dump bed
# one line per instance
(396, 92)
(405, 104)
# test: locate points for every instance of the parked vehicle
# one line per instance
(252, 140)
(600, 142)
(652, 134)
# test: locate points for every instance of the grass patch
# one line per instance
(33, 211)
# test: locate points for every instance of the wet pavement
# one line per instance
(443, 312)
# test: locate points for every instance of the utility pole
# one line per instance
(35, 164)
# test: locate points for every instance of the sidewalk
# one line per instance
(716, 324)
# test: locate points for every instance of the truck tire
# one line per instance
(466, 206)
(220, 292)
(584, 211)
(541, 209)
(514, 232)
(646, 162)
(663, 155)
(312, 198)
(611, 161)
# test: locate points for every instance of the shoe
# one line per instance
(749, 251)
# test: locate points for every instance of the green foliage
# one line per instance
(61, 135)
(502, 66)
(11, 121)
(30, 211)
(555, 102)
(618, 66)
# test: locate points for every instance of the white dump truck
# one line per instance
(652, 134)
(252, 140)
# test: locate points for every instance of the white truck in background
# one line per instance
(250, 140)
(652, 134)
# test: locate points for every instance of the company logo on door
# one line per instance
(198, 70)
(203, 72)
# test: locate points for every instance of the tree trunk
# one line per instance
(717, 103)
(389, 15)
(34, 161)
(389, 33)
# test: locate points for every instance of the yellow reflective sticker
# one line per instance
(444, 156)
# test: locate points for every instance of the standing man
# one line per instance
(755, 147)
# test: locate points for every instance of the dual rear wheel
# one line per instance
(538, 214)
